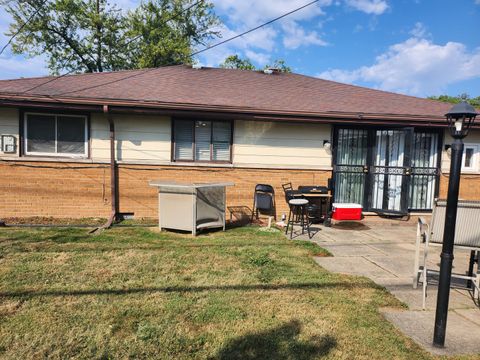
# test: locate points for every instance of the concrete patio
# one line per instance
(384, 252)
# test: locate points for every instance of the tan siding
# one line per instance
(281, 145)
(138, 138)
(9, 126)
(472, 138)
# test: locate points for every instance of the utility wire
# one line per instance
(192, 54)
(169, 19)
(127, 43)
(253, 29)
(22, 26)
(200, 51)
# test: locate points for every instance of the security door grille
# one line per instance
(389, 174)
(425, 172)
(351, 165)
(389, 171)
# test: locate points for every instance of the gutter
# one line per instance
(119, 105)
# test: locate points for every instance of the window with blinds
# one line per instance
(55, 135)
(201, 140)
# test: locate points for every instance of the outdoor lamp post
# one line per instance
(460, 118)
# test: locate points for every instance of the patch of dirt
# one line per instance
(10, 307)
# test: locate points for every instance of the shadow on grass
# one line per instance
(279, 343)
(187, 289)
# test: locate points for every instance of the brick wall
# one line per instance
(469, 186)
(136, 196)
(54, 189)
(76, 190)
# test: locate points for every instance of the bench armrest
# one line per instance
(423, 228)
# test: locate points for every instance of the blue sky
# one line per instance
(416, 47)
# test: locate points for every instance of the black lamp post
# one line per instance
(460, 118)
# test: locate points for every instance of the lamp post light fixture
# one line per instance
(460, 118)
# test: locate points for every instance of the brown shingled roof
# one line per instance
(232, 90)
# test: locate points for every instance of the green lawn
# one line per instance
(136, 293)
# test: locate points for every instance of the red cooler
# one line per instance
(346, 211)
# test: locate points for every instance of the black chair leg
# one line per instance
(293, 221)
(302, 219)
(308, 227)
(288, 221)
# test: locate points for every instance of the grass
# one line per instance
(136, 293)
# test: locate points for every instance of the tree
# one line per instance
(168, 30)
(95, 36)
(456, 99)
(236, 62)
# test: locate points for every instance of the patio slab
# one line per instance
(385, 254)
(356, 266)
(461, 336)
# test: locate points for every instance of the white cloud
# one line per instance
(419, 31)
(290, 31)
(259, 58)
(253, 12)
(416, 66)
(244, 15)
(375, 7)
(247, 45)
(296, 36)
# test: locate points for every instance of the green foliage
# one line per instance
(456, 99)
(166, 31)
(280, 65)
(96, 36)
(236, 62)
(260, 259)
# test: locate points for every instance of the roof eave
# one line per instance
(122, 106)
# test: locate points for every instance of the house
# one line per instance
(387, 151)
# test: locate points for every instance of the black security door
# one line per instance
(388, 171)
(351, 168)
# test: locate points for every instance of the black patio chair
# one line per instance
(264, 201)
(287, 186)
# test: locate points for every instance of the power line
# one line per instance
(169, 19)
(52, 79)
(202, 50)
(128, 42)
(21, 27)
(253, 29)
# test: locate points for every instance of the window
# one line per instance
(470, 158)
(198, 140)
(59, 135)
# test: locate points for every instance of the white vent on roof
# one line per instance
(271, 70)
(197, 66)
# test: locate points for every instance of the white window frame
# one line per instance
(475, 158)
(55, 154)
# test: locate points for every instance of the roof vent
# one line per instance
(197, 66)
(271, 70)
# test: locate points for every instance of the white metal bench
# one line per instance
(467, 236)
